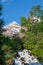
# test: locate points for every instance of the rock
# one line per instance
(26, 58)
(22, 59)
(26, 64)
(10, 62)
(11, 29)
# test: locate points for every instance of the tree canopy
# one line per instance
(34, 33)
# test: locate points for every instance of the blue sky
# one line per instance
(13, 10)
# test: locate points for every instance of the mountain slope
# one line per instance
(11, 29)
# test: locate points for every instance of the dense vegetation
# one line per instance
(2, 62)
(33, 39)
(8, 46)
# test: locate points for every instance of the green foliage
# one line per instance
(10, 46)
(8, 56)
(38, 50)
(0, 9)
(30, 40)
(23, 21)
(33, 39)
(16, 43)
(38, 27)
(2, 61)
(36, 11)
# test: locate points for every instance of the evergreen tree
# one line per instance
(1, 39)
